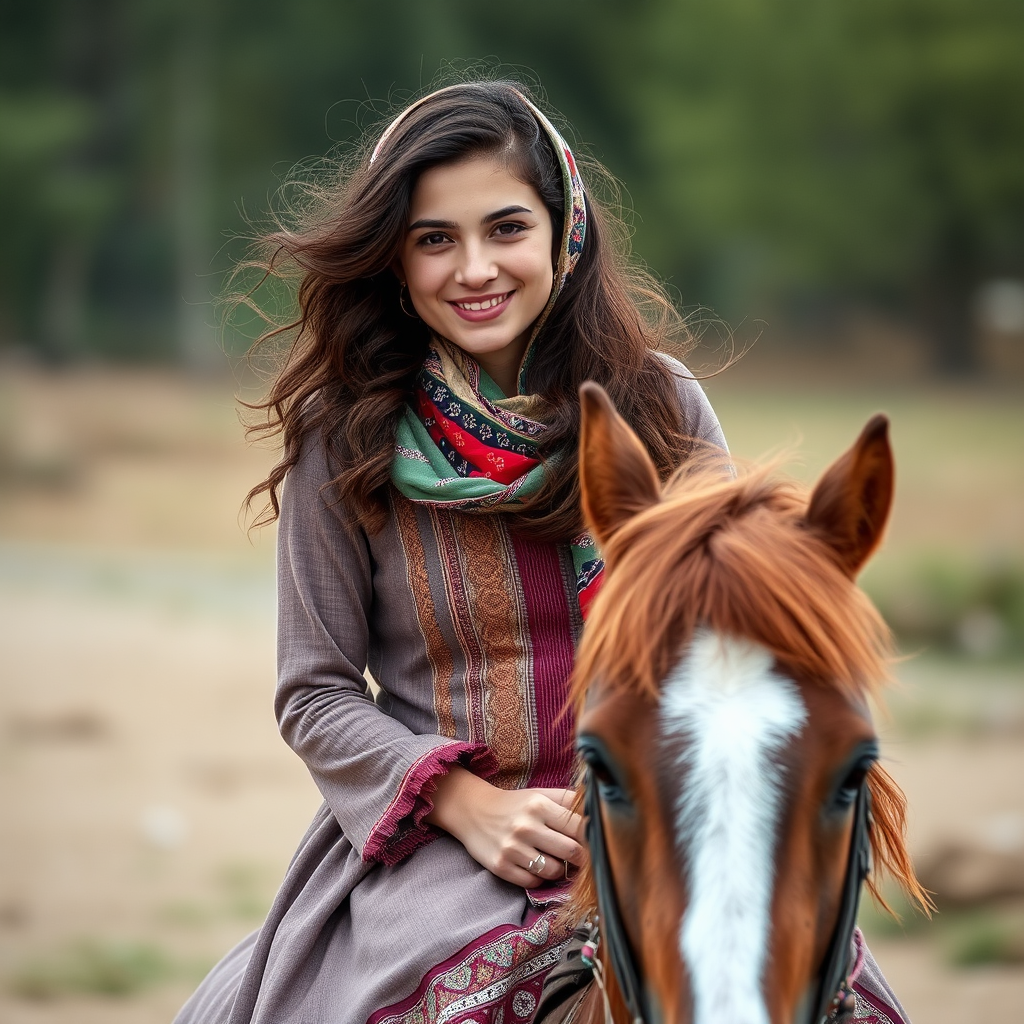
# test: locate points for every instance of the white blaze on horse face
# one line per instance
(727, 713)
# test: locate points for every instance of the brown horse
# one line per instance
(722, 693)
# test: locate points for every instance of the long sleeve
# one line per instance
(374, 773)
(699, 419)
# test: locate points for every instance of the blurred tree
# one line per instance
(192, 131)
(57, 186)
(873, 147)
(774, 150)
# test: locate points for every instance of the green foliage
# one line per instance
(985, 938)
(93, 968)
(774, 151)
(974, 608)
(906, 920)
(185, 914)
(44, 196)
(970, 938)
(841, 145)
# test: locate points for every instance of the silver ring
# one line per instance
(536, 866)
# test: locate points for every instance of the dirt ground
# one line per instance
(150, 806)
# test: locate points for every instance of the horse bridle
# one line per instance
(833, 972)
(613, 932)
(832, 975)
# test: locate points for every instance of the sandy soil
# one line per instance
(148, 798)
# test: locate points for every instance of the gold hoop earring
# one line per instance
(401, 301)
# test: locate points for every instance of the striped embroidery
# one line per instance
(438, 654)
(491, 632)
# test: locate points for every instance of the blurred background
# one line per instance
(837, 186)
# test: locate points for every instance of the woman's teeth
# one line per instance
(486, 304)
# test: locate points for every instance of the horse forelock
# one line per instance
(732, 555)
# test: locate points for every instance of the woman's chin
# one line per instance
(483, 342)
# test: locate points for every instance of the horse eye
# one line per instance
(846, 795)
(595, 763)
(608, 785)
(611, 792)
(602, 773)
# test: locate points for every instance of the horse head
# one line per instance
(722, 693)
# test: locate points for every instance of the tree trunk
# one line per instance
(948, 295)
(65, 301)
(197, 337)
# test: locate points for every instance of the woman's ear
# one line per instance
(617, 476)
(399, 271)
(850, 504)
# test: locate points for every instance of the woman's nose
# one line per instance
(475, 268)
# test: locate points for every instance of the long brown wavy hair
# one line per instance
(354, 354)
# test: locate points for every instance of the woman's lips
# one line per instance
(476, 315)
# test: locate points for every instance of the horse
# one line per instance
(733, 792)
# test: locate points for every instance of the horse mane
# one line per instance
(731, 551)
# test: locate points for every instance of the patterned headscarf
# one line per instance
(462, 444)
(575, 198)
(574, 228)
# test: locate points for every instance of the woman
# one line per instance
(455, 291)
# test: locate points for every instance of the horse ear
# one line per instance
(850, 504)
(617, 476)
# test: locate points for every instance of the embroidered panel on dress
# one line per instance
(458, 604)
(868, 1010)
(439, 654)
(493, 636)
(496, 979)
(498, 626)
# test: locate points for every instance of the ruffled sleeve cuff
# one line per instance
(401, 829)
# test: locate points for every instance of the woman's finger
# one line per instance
(566, 822)
(521, 877)
(563, 848)
(553, 829)
(548, 868)
(561, 816)
(529, 868)
(555, 845)
(564, 797)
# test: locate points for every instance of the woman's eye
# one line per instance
(434, 238)
(509, 229)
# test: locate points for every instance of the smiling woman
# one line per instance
(454, 291)
(477, 260)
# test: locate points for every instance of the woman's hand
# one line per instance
(504, 830)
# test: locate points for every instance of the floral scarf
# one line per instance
(461, 444)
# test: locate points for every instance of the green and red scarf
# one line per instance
(464, 446)
(461, 444)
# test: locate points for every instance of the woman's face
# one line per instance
(477, 261)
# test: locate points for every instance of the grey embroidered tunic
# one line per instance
(470, 631)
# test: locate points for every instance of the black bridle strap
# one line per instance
(837, 956)
(836, 961)
(613, 932)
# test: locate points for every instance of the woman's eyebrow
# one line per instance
(450, 225)
(505, 211)
(446, 225)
